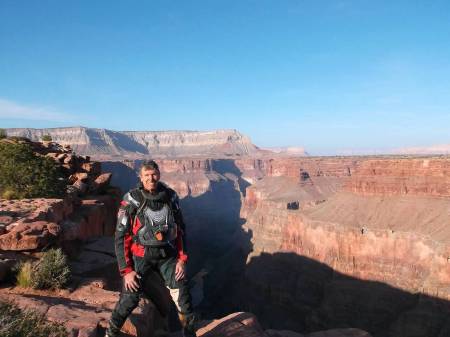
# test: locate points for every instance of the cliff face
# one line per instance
(300, 169)
(372, 253)
(105, 144)
(427, 177)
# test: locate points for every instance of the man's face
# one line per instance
(149, 179)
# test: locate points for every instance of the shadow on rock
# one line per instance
(288, 291)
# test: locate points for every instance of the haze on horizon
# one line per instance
(329, 76)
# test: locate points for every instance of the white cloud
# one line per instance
(13, 110)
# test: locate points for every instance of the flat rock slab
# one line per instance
(237, 324)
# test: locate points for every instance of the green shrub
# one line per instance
(15, 322)
(9, 195)
(2, 133)
(25, 271)
(50, 272)
(28, 175)
(46, 138)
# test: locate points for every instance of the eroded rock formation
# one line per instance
(373, 252)
(103, 143)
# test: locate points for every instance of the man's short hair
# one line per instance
(149, 165)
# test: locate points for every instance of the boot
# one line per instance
(112, 330)
(188, 324)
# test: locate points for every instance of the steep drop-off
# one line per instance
(373, 255)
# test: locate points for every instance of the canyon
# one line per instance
(311, 243)
(306, 244)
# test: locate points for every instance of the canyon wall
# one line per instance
(419, 176)
(104, 144)
(374, 253)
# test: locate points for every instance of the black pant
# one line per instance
(157, 271)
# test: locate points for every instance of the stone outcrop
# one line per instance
(104, 143)
(29, 226)
(32, 224)
(83, 175)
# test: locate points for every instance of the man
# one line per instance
(150, 249)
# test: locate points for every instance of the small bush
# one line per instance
(25, 271)
(50, 272)
(2, 133)
(15, 322)
(46, 138)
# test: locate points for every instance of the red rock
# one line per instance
(95, 217)
(81, 186)
(101, 183)
(82, 176)
(69, 159)
(26, 302)
(92, 168)
(29, 236)
(427, 176)
(62, 157)
(6, 220)
(237, 324)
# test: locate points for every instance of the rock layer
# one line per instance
(421, 176)
(137, 144)
(372, 254)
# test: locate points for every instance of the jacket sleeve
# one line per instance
(123, 238)
(181, 229)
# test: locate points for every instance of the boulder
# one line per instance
(29, 236)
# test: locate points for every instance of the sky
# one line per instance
(329, 76)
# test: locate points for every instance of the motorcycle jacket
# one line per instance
(148, 220)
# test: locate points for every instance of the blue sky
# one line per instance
(330, 76)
